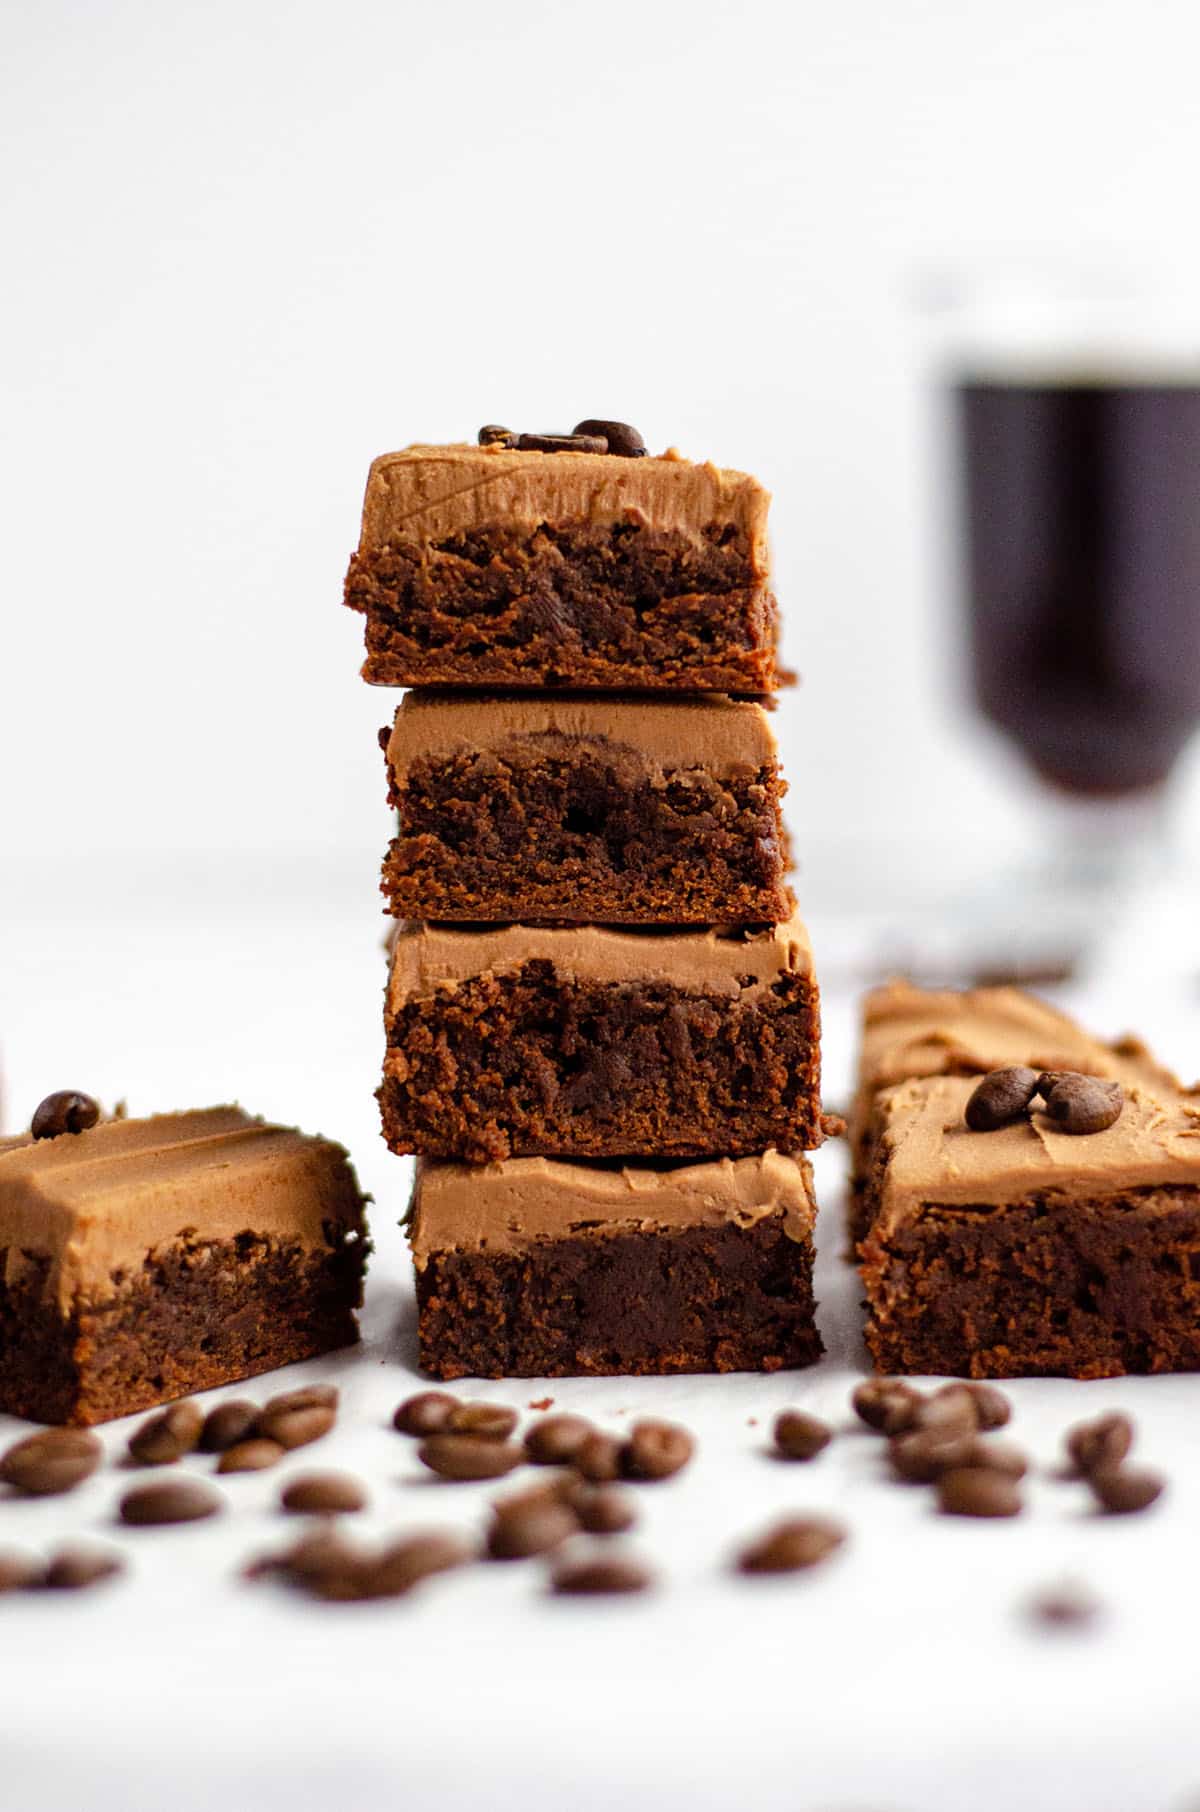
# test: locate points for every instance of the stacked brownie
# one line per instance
(603, 1032)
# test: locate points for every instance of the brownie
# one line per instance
(585, 809)
(536, 1268)
(146, 1259)
(587, 1042)
(1030, 1250)
(495, 567)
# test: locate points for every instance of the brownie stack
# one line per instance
(603, 1029)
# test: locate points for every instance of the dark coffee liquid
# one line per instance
(1083, 512)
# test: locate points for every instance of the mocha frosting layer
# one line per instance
(508, 1207)
(729, 738)
(427, 958)
(98, 1202)
(432, 493)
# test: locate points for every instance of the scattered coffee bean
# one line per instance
(562, 443)
(1084, 1104)
(992, 1407)
(619, 437)
(177, 1500)
(405, 1563)
(792, 1545)
(254, 1454)
(293, 1423)
(997, 1456)
(487, 1421)
(887, 1405)
(800, 1437)
(1123, 1491)
(167, 1436)
(493, 435)
(556, 1440)
(18, 1572)
(323, 1549)
(1102, 1443)
(533, 1525)
(952, 1410)
(923, 1456)
(600, 1576)
(227, 1424)
(1002, 1096)
(462, 1457)
(74, 1569)
(66, 1112)
(425, 1414)
(602, 1509)
(1065, 1607)
(306, 1396)
(323, 1494)
(977, 1491)
(656, 1450)
(50, 1462)
(598, 1458)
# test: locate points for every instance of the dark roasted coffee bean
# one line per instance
(600, 1576)
(952, 1410)
(1002, 1096)
(167, 1436)
(18, 1572)
(555, 1440)
(306, 1396)
(295, 1425)
(74, 1569)
(598, 1459)
(562, 443)
(52, 1461)
(1084, 1104)
(1065, 1607)
(254, 1454)
(800, 1437)
(227, 1424)
(977, 1491)
(66, 1112)
(460, 1456)
(177, 1500)
(1102, 1443)
(619, 437)
(493, 435)
(1123, 1491)
(323, 1494)
(656, 1450)
(535, 1526)
(887, 1405)
(425, 1414)
(488, 1421)
(992, 1407)
(997, 1456)
(602, 1509)
(923, 1455)
(323, 1550)
(414, 1558)
(796, 1543)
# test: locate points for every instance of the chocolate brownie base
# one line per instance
(536, 1061)
(689, 1300)
(618, 606)
(200, 1316)
(1093, 1288)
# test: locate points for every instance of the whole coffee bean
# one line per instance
(800, 1437)
(887, 1405)
(227, 1424)
(1102, 1443)
(74, 1569)
(296, 1425)
(519, 1530)
(792, 1545)
(1123, 1491)
(412, 1559)
(167, 1436)
(66, 1112)
(322, 1550)
(977, 1491)
(463, 1457)
(254, 1454)
(50, 1462)
(1084, 1104)
(997, 1456)
(598, 1458)
(603, 1510)
(177, 1500)
(1002, 1096)
(992, 1407)
(1065, 1607)
(18, 1572)
(425, 1414)
(600, 1576)
(489, 1421)
(952, 1410)
(656, 1450)
(562, 443)
(923, 1456)
(306, 1396)
(555, 1440)
(619, 437)
(493, 435)
(323, 1494)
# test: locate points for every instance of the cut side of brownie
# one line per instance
(496, 567)
(535, 1268)
(587, 1042)
(586, 809)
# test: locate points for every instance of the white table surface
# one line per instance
(903, 1677)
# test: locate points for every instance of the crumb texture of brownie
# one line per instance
(692, 1299)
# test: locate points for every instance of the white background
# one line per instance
(246, 247)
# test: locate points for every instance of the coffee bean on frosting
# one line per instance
(602, 1509)
(65, 1112)
(1084, 1104)
(1002, 1096)
(254, 1454)
(793, 1545)
(656, 1450)
(977, 1491)
(18, 1572)
(1067, 1607)
(75, 1569)
(598, 1458)
(489, 1421)
(1123, 1491)
(619, 437)
(562, 443)
(427, 1413)
(493, 435)
(227, 1424)
(176, 1500)
(464, 1457)
(799, 1436)
(1100, 1444)
(323, 1494)
(52, 1461)
(298, 1417)
(601, 1576)
(887, 1405)
(167, 1436)
(922, 1455)
(413, 1559)
(992, 1407)
(555, 1440)
(951, 1410)
(530, 1525)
